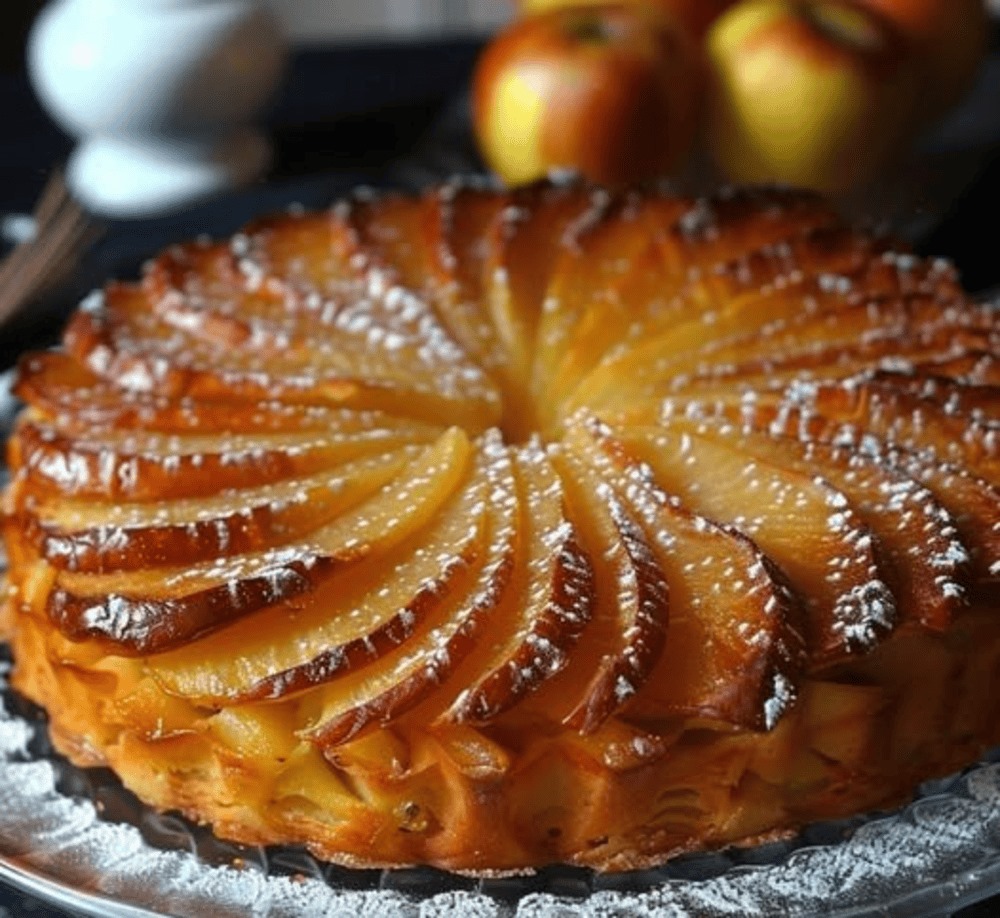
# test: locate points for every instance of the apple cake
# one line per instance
(490, 529)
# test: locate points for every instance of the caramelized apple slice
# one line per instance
(735, 220)
(126, 466)
(199, 287)
(620, 647)
(457, 222)
(801, 522)
(651, 299)
(96, 538)
(150, 610)
(390, 229)
(354, 618)
(73, 400)
(600, 248)
(921, 352)
(399, 681)
(629, 259)
(305, 255)
(833, 257)
(647, 369)
(637, 279)
(381, 348)
(734, 645)
(971, 504)
(550, 605)
(975, 366)
(643, 257)
(930, 585)
(849, 411)
(522, 248)
(953, 396)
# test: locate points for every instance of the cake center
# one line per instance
(522, 419)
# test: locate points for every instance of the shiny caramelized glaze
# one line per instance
(492, 529)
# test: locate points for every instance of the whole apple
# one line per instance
(819, 93)
(694, 15)
(613, 92)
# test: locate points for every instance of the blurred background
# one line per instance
(315, 22)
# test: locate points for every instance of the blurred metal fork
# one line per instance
(61, 232)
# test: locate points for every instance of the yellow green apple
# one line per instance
(610, 91)
(819, 93)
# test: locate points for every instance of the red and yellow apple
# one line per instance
(610, 91)
(819, 93)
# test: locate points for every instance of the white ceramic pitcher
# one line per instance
(162, 95)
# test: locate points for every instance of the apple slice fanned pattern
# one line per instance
(489, 529)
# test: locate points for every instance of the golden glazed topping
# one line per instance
(489, 530)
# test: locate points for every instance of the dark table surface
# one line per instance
(348, 116)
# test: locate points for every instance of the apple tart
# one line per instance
(489, 530)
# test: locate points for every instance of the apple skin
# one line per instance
(950, 38)
(694, 15)
(817, 93)
(611, 92)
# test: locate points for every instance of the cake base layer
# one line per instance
(627, 797)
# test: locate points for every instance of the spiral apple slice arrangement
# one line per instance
(476, 488)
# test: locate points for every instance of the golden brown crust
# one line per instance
(489, 531)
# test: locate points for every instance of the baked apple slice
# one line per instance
(683, 238)
(929, 586)
(920, 352)
(863, 407)
(953, 396)
(400, 681)
(549, 604)
(803, 524)
(971, 504)
(658, 295)
(833, 256)
(139, 466)
(73, 400)
(523, 245)
(734, 647)
(640, 274)
(383, 348)
(975, 366)
(457, 221)
(153, 609)
(302, 254)
(96, 538)
(352, 619)
(690, 349)
(735, 220)
(600, 250)
(619, 648)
